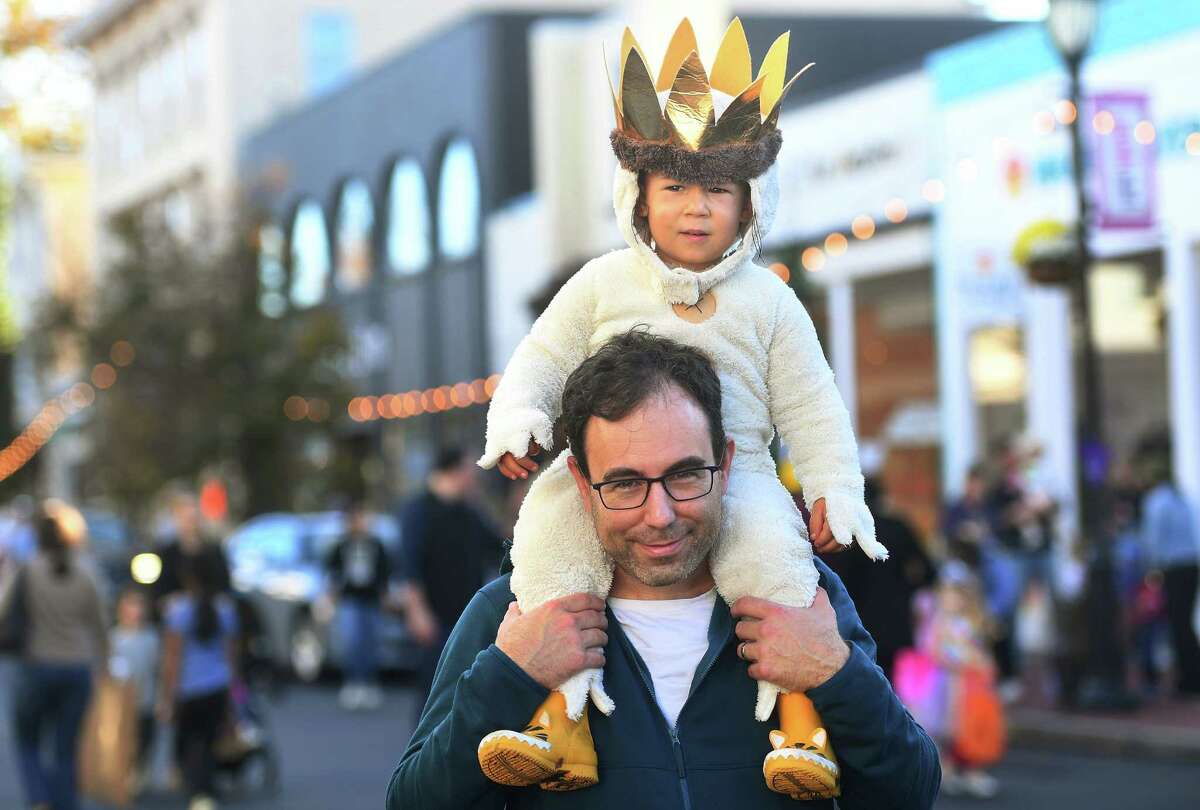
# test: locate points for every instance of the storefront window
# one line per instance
(356, 218)
(458, 201)
(408, 219)
(310, 255)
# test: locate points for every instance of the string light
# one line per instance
(57, 410)
(402, 405)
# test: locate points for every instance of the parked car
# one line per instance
(277, 563)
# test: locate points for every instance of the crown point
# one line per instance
(683, 42)
(690, 105)
(731, 69)
(774, 68)
(639, 101)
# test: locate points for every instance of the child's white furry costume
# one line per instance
(772, 371)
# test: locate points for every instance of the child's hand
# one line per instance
(514, 468)
(819, 532)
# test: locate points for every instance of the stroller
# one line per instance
(246, 758)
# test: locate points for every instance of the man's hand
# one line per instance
(795, 648)
(819, 532)
(555, 640)
(514, 468)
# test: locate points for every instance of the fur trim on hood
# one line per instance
(679, 285)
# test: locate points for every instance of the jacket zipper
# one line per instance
(676, 746)
(683, 786)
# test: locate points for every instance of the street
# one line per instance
(332, 760)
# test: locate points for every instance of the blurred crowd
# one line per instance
(1002, 607)
(114, 663)
(990, 612)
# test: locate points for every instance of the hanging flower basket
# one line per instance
(1047, 252)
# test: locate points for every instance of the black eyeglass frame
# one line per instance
(712, 469)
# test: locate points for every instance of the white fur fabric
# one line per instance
(773, 373)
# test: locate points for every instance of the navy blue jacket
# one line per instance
(712, 759)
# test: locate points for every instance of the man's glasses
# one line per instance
(683, 485)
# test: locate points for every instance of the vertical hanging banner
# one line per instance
(1123, 168)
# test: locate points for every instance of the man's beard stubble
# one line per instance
(704, 533)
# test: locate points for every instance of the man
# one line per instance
(638, 411)
(883, 594)
(448, 551)
(359, 575)
(187, 543)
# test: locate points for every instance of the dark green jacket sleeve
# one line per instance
(887, 760)
(477, 690)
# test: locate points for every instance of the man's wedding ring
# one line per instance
(741, 651)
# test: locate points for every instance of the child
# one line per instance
(956, 637)
(135, 649)
(197, 671)
(694, 195)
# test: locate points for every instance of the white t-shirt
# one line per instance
(671, 635)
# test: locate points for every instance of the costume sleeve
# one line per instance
(887, 759)
(477, 689)
(529, 397)
(813, 421)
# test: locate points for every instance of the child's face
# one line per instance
(130, 611)
(693, 225)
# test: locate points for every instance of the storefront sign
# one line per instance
(1123, 167)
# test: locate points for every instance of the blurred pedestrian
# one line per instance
(449, 550)
(883, 592)
(359, 576)
(1168, 531)
(135, 657)
(956, 637)
(198, 666)
(187, 541)
(1025, 517)
(65, 637)
(968, 526)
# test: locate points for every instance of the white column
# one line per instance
(842, 349)
(1049, 394)
(954, 383)
(1183, 351)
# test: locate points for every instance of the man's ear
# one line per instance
(581, 483)
(726, 464)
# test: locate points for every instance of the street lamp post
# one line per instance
(1072, 25)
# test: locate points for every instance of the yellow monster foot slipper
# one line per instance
(802, 769)
(553, 751)
(803, 764)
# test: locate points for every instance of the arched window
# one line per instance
(272, 277)
(310, 255)
(458, 201)
(356, 216)
(408, 219)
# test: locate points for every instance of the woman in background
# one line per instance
(64, 640)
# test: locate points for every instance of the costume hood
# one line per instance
(680, 285)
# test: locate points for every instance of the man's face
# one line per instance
(660, 548)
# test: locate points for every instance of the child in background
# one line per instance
(135, 647)
(197, 672)
(957, 637)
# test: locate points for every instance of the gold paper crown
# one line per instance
(689, 121)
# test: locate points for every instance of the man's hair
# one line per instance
(624, 372)
(449, 459)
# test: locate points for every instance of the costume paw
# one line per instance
(851, 522)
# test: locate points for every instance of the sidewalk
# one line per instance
(1159, 730)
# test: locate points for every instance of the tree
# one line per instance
(200, 376)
